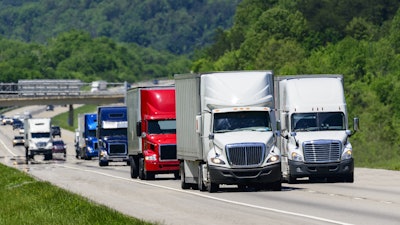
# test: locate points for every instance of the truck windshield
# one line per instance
(40, 135)
(162, 126)
(244, 120)
(318, 121)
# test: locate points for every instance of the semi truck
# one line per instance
(111, 134)
(87, 140)
(313, 119)
(226, 130)
(152, 131)
(38, 138)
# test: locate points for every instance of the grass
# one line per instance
(24, 200)
(62, 119)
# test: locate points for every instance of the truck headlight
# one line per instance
(297, 157)
(273, 158)
(217, 160)
(347, 154)
(150, 157)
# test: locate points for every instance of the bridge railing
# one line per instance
(55, 87)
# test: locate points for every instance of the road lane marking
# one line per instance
(12, 153)
(212, 197)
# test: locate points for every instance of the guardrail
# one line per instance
(42, 88)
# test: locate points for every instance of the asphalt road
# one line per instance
(374, 197)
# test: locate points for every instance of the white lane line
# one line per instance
(4, 145)
(214, 198)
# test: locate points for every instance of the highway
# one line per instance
(374, 197)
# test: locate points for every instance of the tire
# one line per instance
(134, 169)
(291, 179)
(201, 185)
(103, 163)
(48, 156)
(276, 186)
(184, 185)
(349, 178)
(211, 186)
(143, 174)
(177, 175)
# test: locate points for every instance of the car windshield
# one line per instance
(244, 120)
(318, 121)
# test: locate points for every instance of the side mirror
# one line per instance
(139, 128)
(356, 123)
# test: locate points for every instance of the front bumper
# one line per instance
(268, 174)
(301, 169)
(162, 167)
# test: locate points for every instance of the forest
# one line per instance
(99, 39)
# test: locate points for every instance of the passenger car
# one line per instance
(49, 107)
(18, 140)
(7, 120)
(55, 131)
(59, 147)
(17, 124)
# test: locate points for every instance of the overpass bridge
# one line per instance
(60, 92)
(67, 92)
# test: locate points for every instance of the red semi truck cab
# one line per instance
(152, 131)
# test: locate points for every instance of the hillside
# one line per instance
(359, 39)
(178, 27)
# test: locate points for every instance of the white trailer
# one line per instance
(225, 130)
(313, 119)
(38, 138)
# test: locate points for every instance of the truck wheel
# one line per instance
(184, 185)
(134, 168)
(276, 186)
(349, 178)
(211, 187)
(176, 175)
(103, 163)
(48, 156)
(27, 155)
(291, 179)
(143, 174)
(201, 185)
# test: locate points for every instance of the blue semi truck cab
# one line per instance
(112, 124)
(86, 136)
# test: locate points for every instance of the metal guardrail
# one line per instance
(43, 88)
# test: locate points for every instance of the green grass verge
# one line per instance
(24, 200)
(62, 119)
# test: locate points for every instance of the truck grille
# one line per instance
(322, 151)
(168, 152)
(41, 144)
(117, 149)
(245, 154)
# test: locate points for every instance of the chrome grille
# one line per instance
(41, 144)
(322, 151)
(245, 154)
(168, 152)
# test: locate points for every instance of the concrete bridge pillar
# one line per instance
(71, 115)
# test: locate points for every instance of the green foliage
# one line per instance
(24, 200)
(62, 119)
(175, 26)
(75, 55)
(353, 38)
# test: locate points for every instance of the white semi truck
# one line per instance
(313, 119)
(38, 138)
(225, 130)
